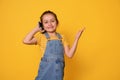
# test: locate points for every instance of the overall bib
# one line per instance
(52, 63)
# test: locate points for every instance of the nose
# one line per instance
(49, 23)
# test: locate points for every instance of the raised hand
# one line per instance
(79, 33)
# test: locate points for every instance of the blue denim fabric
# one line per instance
(52, 63)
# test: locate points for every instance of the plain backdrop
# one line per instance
(98, 53)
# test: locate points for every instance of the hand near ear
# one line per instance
(39, 28)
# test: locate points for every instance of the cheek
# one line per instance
(44, 25)
(55, 24)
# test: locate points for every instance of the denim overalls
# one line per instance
(52, 63)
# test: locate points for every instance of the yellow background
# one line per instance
(98, 53)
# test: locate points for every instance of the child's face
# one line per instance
(49, 23)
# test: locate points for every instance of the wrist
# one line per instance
(76, 39)
(35, 30)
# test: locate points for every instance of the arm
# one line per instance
(29, 38)
(70, 51)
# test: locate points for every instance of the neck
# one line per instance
(52, 33)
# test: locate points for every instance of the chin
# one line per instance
(51, 31)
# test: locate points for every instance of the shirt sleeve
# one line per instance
(65, 42)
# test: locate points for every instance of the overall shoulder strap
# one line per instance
(47, 35)
(59, 36)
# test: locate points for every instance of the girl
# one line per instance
(53, 45)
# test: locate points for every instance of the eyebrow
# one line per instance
(50, 19)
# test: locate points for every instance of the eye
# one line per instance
(45, 22)
(52, 20)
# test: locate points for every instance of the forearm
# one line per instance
(30, 36)
(72, 50)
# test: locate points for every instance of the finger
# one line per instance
(42, 30)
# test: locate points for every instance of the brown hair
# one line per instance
(49, 12)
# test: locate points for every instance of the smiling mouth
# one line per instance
(50, 27)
